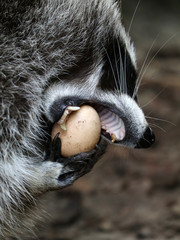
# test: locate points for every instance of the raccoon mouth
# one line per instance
(112, 126)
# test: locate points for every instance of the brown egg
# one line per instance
(82, 134)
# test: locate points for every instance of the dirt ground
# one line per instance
(132, 194)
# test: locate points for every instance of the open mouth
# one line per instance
(112, 126)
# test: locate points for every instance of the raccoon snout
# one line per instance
(147, 139)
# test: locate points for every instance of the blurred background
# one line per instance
(133, 194)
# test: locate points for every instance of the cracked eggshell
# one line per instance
(82, 134)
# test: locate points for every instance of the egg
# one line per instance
(83, 129)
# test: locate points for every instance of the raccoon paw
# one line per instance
(77, 165)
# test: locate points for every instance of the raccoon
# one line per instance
(57, 55)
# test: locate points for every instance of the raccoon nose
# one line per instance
(147, 139)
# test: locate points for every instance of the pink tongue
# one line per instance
(112, 123)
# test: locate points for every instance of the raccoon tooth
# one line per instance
(103, 127)
(113, 138)
(65, 115)
(73, 108)
(67, 111)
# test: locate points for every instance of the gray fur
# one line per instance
(40, 41)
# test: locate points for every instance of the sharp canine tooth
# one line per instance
(64, 117)
(73, 108)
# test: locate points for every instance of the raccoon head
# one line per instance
(104, 76)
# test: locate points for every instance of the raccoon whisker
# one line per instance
(156, 96)
(161, 120)
(121, 69)
(156, 126)
(133, 16)
(129, 29)
(141, 72)
(116, 63)
(145, 68)
(167, 41)
(146, 141)
(114, 75)
(125, 80)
